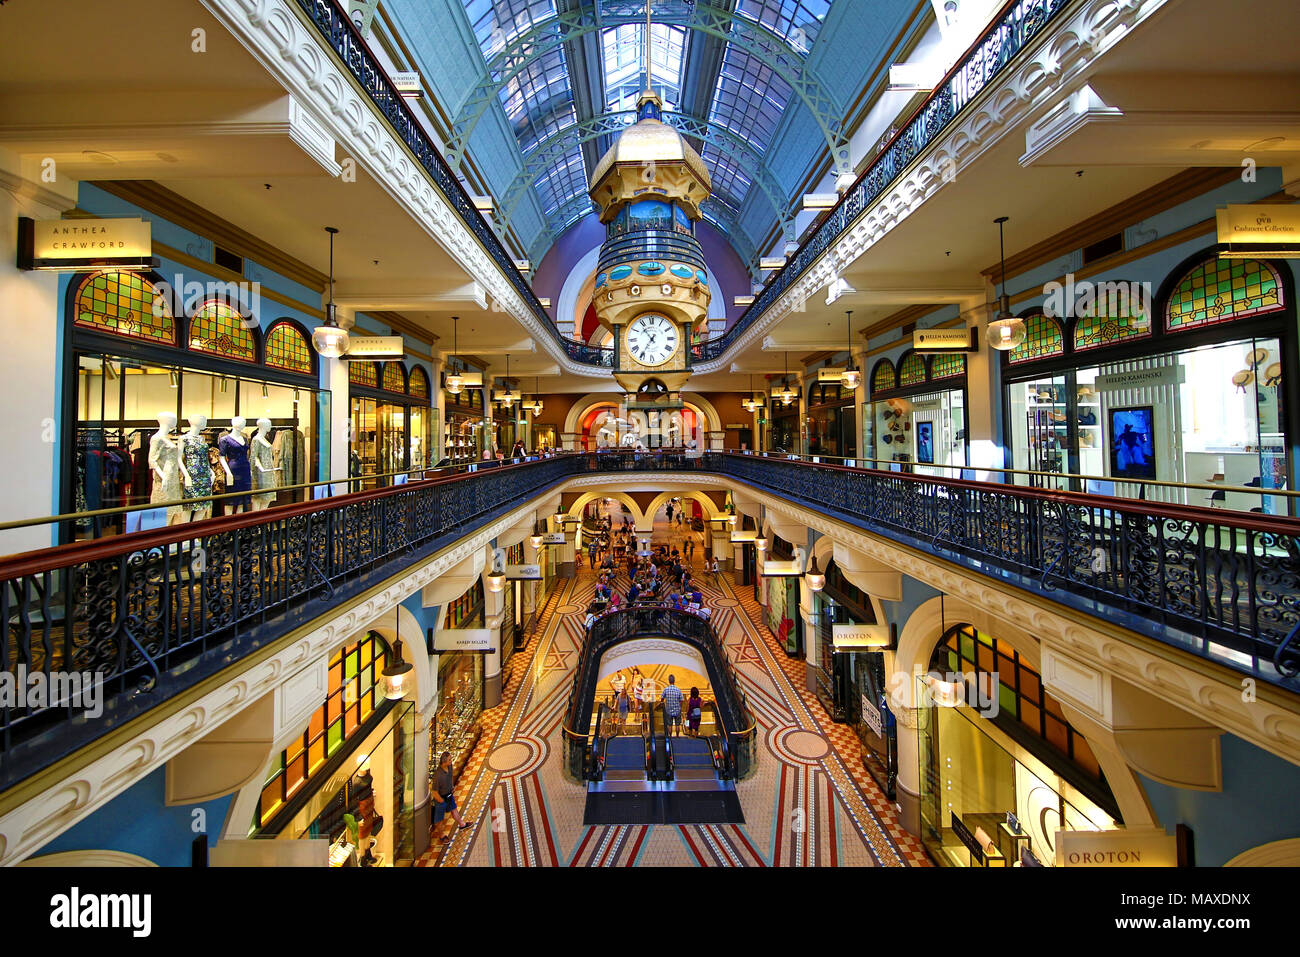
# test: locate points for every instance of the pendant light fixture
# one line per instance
(815, 580)
(508, 396)
(1006, 331)
(536, 539)
(398, 668)
(753, 403)
(330, 340)
(785, 393)
(851, 376)
(453, 380)
(535, 406)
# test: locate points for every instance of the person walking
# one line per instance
(638, 692)
(672, 699)
(444, 797)
(622, 711)
(694, 711)
(669, 510)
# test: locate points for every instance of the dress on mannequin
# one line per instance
(194, 452)
(162, 459)
(261, 458)
(235, 453)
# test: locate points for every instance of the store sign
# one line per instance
(375, 347)
(830, 374)
(407, 83)
(779, 569)
(966, 837)
(744, 536)
(871, 715)
(860, 637)
(463, 639)
(553, 538)
(524, 573)
(736, 425)
(1123, 847)
(72, 244)
(960, 339)
(1139, 379)
(1271, 229)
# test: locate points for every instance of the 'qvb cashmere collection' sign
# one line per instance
(1246, 231)
(84, 244)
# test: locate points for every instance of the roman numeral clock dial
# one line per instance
(652, 340)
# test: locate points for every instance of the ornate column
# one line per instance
(493, 605)
(423, 811)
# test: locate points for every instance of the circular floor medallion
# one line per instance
(725, 603)
(510, 757)
(569, 609)
(799, 746)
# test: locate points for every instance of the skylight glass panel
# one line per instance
(749, 99)
(498, 23)
(798, 21)
(561, 183)
(624, 50)
(538, 100)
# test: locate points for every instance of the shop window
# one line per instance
(1043, 338)
(419, 386)
(125, 304)
(1221, 290)
(911, 371)
(845, 591)
(394, 377)
(355, 679)
(464, 611)
(1023, 705)
(287, 348)
(883, 377)
(218, 329)
(948, 365)
(1113, 319)
(363, 373)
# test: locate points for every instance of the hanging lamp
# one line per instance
(329, 339)
(851, 376)
(1006, 331)
(814, 578)
(453, 380)
(398, 668)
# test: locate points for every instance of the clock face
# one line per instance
(652, 340)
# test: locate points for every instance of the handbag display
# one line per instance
(1088, 418)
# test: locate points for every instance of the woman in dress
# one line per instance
(694, 711)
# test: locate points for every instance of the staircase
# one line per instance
(693, 794)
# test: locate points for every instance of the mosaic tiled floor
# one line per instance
(810, 802)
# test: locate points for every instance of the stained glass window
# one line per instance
(1220, 290)
(882, 377)
(125, 304)
(286, 348)
(1043, 338)
(419, 386)
(947, 365)
(394, 377)
(1117, 313)
(218, 329)
(363, 373)
(911, 371)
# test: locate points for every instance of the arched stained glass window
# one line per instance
(363, 373)
(394, 377)
(911, 371)
(947, 365)
(286, 348)
(1116, 313)
(125, 304)
(1221, 290)
(1043, 338)
(218, 329)
(883, 376)
(419, 385)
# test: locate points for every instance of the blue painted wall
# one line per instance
(138, 822)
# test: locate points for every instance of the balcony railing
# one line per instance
(1019, 23)
(152, 613)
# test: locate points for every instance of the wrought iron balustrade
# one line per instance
(150, 614)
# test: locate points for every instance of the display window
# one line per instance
(831, 418)
(463, 433)
(783, 434)
(392, 428)
(1193, 394)
(1001, 769)
(781, 609)
(460, 686)
(152, 419)
(916, 419)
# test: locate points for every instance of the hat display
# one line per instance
(1242, 379)
(1256, 356)
(1273, 374)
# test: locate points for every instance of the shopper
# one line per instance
(622, 711)
(694, 711)
(672, 699)
(638, 692)
(444, 797)
(669, 510)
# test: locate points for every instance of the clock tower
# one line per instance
(652, 286)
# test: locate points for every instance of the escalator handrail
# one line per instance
(597, 755)
(648, 735)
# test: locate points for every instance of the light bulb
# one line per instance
(330, 341)
(455, 382)
(850, 378)
(1006, 332)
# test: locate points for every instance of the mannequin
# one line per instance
(233, 451)
(195, 471)
(163, 464)
(261, 457)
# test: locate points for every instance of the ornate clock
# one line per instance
(652, 339)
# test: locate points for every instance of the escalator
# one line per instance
(657, 778)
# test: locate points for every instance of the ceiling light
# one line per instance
(1006, 331)
(851, 376)
(453, 380)
(815, 579)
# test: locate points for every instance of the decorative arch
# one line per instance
(583, 500)
(1044, 338)
(364, 373)
(693, 400)
(1223, 290)
(288, 347)
(216, 328)
(124, 304)
(710, 507)
(883, 376)
(912, 369)
(394, 379)
(1115, 316)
